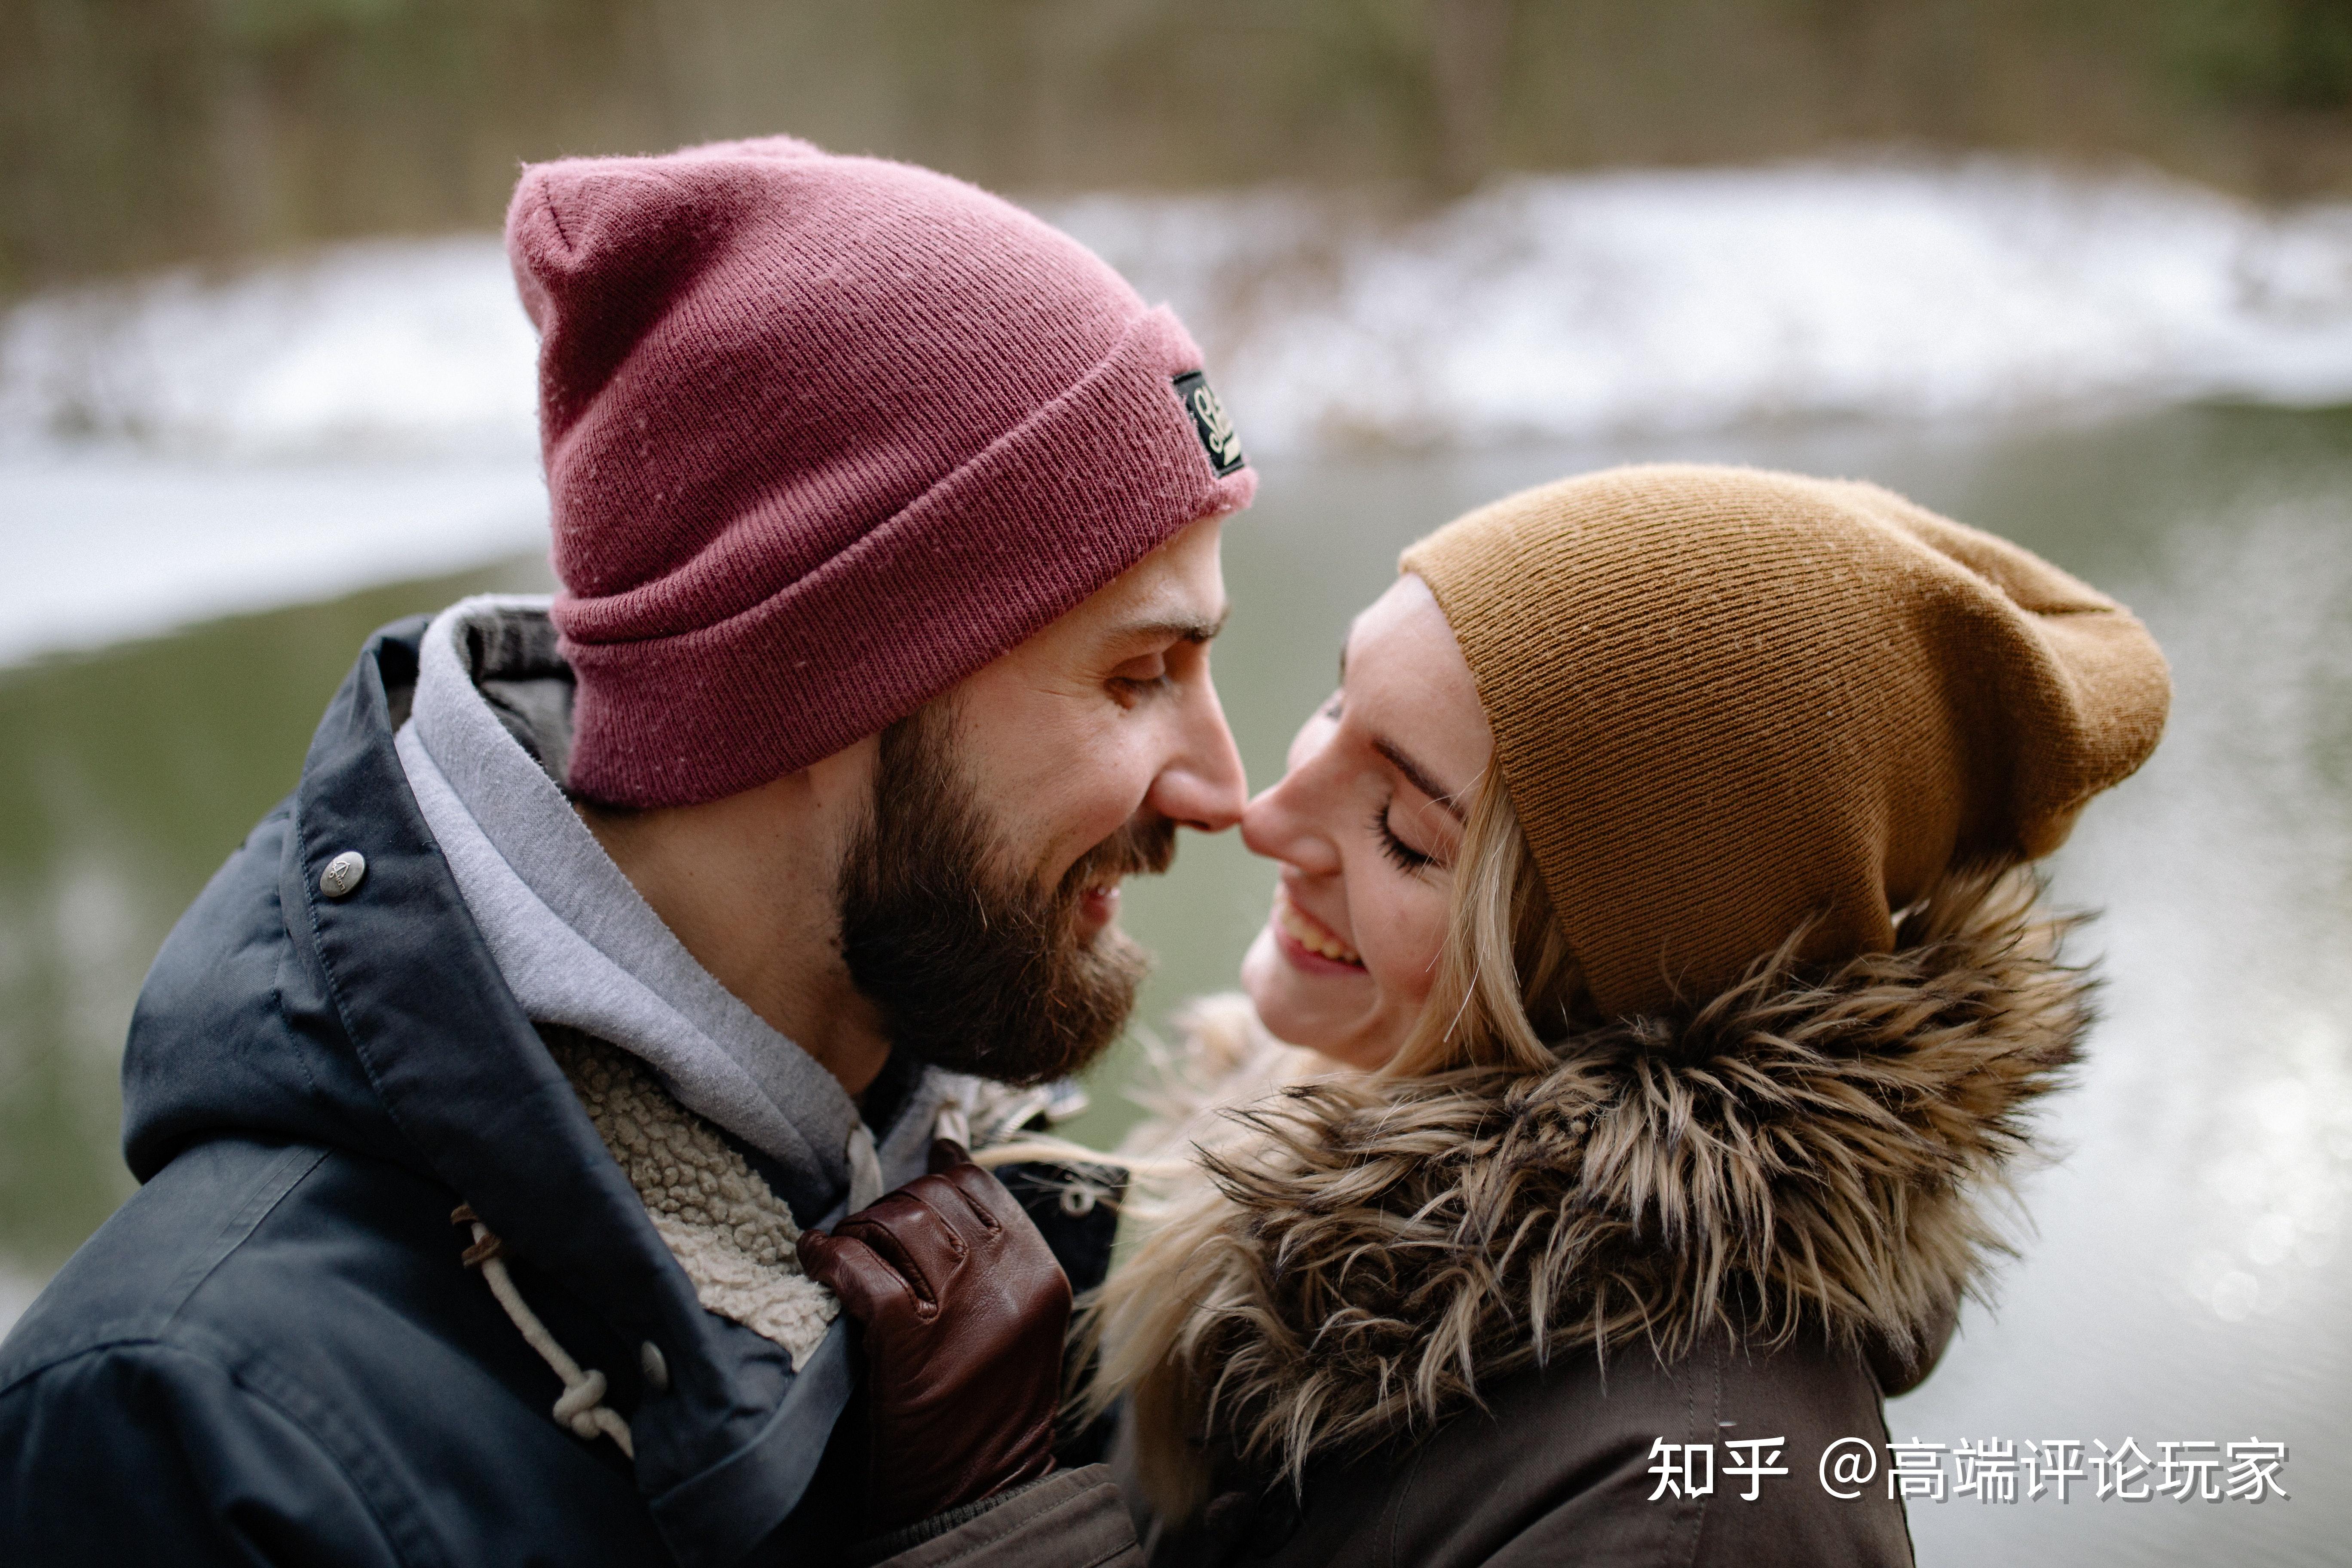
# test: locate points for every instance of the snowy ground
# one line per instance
(186, 446)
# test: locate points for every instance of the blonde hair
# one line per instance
(1506, 985)
(1506, 978)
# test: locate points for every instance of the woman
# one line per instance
(1659, 876)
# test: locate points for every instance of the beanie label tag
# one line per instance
(1210, 422)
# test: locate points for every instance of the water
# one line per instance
(2187, 1277)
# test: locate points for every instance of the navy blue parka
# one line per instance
(273, 1354)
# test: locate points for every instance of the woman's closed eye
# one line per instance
(1403, 856)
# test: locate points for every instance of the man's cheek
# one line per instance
(1088, 817)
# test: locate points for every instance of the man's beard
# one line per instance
(973, 968)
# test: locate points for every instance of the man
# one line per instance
(488, 1099)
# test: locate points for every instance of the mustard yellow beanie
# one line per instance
(1726, 702)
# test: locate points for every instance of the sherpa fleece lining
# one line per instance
(733, 1236)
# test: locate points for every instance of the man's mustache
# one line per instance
(1144, 845)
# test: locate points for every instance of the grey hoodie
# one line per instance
(574, 941)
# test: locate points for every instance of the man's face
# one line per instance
(979, 906)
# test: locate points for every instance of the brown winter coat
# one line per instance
(1451, 1316)
(1557, 1469)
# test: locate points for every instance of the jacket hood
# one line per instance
(242, 1025)
(377, 1022)
(1821, 1155)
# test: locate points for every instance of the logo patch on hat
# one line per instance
(1210, 422)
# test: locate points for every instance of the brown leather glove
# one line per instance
(963, 1312)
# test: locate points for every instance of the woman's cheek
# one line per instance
(1407, 938)
(1262, 978)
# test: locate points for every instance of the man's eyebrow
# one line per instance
(1418, 777)
(1181, 628)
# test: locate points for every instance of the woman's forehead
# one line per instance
(1408, 684)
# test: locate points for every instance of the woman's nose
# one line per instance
(1282, 824)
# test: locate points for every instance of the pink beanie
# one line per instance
(824, 435)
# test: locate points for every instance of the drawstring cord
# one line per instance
(581, 1407)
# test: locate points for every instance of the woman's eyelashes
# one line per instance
(1403, 856)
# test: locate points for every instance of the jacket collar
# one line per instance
(574, 939)
(726, 1452)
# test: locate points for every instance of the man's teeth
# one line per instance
(1314, 940)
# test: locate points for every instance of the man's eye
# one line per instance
(1135, 683)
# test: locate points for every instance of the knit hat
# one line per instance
(822, 436)
(1726, 702)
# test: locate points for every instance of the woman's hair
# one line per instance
(1506, 983)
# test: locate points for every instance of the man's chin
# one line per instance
(1022, 982)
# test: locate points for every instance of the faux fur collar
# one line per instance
(1797, 1153)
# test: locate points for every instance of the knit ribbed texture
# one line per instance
(1726, 702)
(822, 436)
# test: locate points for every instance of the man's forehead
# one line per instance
(1177, 590)
(1191, 604)
(1123, 624)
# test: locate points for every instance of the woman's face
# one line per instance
(1365, 825)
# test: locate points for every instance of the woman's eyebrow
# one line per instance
(1418, 777)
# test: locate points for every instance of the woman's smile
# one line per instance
(1310, 944)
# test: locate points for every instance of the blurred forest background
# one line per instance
(134, 132)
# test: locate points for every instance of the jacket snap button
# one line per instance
(343, 873)
(656, 1369)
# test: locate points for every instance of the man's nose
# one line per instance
(1202, 784)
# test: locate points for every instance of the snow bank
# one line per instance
(381, 348)
(1624, 303)
(1560, 308)
(184, 445)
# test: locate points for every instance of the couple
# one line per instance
(554, 1118)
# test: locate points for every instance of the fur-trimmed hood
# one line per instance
(1815, 1154)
